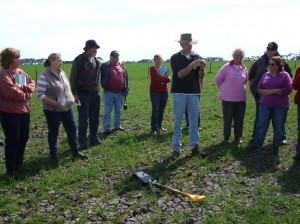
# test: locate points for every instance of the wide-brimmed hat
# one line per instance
(186, 38)
(91, 44)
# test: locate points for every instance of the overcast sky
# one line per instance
(138, 29)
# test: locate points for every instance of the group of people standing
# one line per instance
(269, 79)
(57, 96)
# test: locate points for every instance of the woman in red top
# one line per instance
(160, 76)
(16, 89)
(296, 86)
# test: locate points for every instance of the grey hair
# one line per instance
(51, 57)
(239, 50)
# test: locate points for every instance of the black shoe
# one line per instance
(197, 152)
(106, 132)
(226, 140)
(1, 142)
(174, 155)
(238, 141)
(119, 129)
(296, 157)
(252, 148)
(96, 142)
(154, 133)
(13, 174)
(79, 155)
(83, 146)
(275, 151)
(54, 160)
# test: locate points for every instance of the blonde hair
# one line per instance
(157, 56)
(239, 50)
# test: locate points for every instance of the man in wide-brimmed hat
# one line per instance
(85, 85)
(187, 82)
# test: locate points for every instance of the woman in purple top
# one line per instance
(231, 81)
(274, 89)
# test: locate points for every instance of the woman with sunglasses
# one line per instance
(274, 89)
(256, 71)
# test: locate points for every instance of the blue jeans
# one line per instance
(266, 114)
(16, 131)
(68, 120)
(257, 98)
(187, 118)
(88, 113)
(112, 101)
(159, 102)
(180, 102)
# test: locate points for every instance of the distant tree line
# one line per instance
(32, 61)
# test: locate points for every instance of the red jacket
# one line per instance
(296, 86)
(13, 99)
(158, 82)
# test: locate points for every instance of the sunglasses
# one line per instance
(270, 49)
(272, 64)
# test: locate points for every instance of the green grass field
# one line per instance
(240, 187)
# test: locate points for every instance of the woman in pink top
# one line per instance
(14, 108)
(231, 81)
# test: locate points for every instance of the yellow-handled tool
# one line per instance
(146, 178)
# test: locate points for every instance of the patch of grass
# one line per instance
(240, 187)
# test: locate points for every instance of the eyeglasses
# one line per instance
(270, 49)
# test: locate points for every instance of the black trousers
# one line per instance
(16, 131)
(233, 111)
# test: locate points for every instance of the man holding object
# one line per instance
(188, 80)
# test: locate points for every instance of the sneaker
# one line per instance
(226, 140)
(163, 129)
(119, 129)
(284, 142)
(196, 152)
(238, 141)
(1, 142)
(154, 133)
(79, 155)
(174, 155)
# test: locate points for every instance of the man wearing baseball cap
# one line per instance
(114, 81)
(85, 85)
(187, 82)
(256, 72)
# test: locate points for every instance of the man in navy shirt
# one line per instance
(187, 82)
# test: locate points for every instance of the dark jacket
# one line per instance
(105, 74)
(190, 83)
(296, 86)
(259, 68)
(85, 76)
